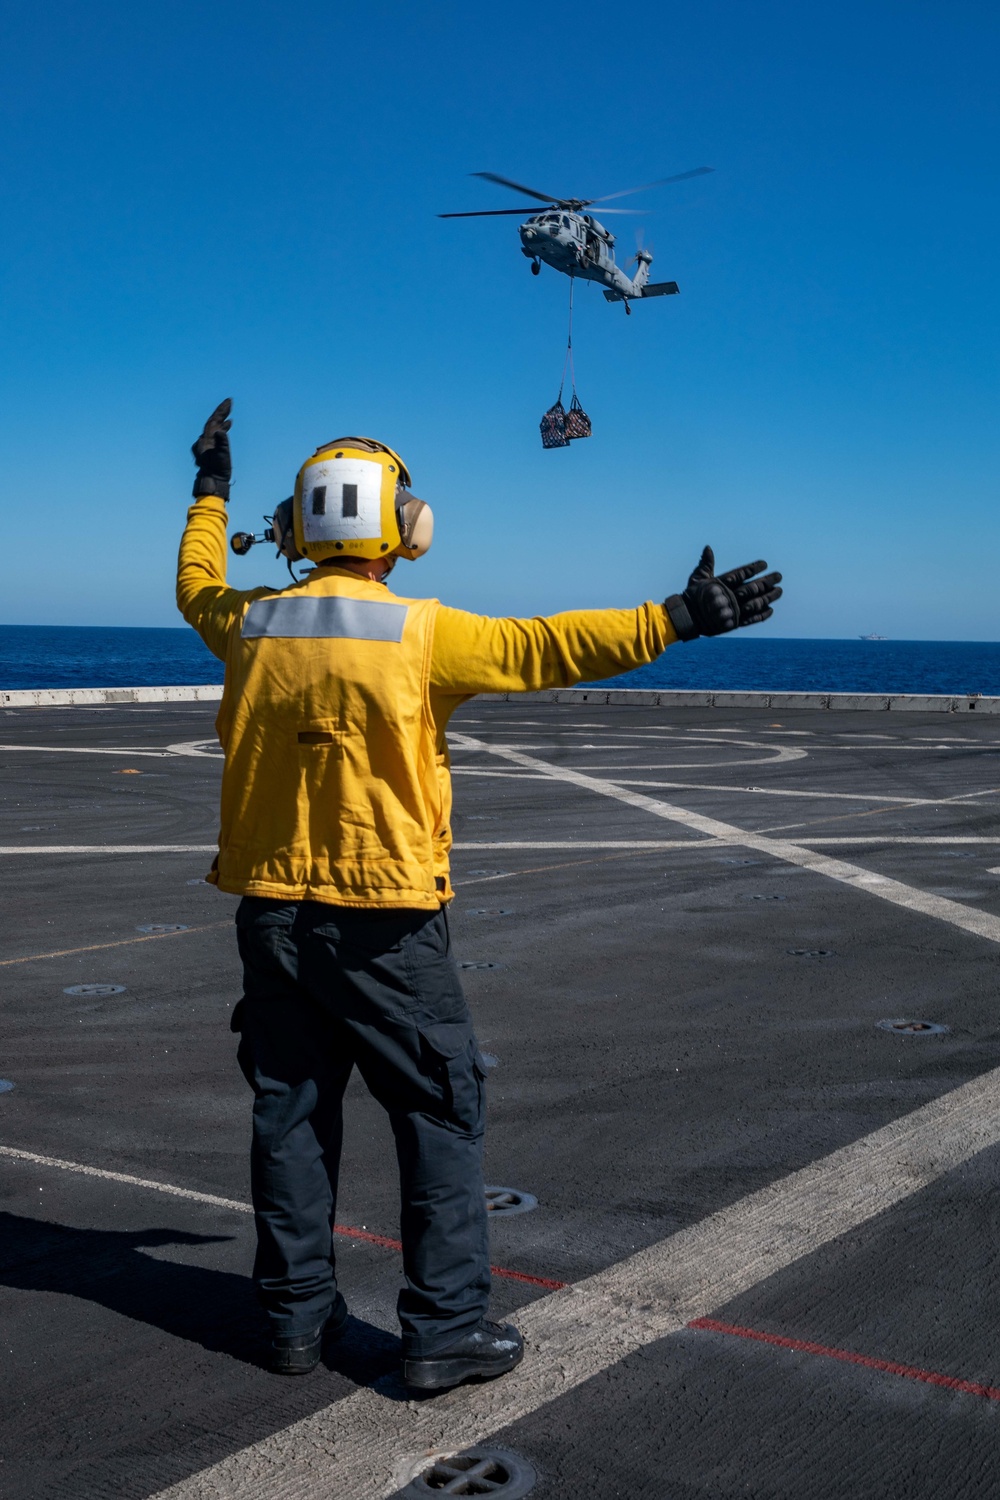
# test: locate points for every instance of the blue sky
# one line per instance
(204, 201)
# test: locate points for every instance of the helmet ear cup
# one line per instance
(416, 525)
(283, 530)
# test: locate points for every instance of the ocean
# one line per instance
(54, 656)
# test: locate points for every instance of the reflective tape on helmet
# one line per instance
(341, 500)
(324, 619)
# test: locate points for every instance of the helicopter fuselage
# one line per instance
(577, 245)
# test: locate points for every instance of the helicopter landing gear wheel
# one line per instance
(628, 310)
(536, 266)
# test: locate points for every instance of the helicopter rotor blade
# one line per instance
(547, 198)
(660, 182)
(489, 213)
(492, 213)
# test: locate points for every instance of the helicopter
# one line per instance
(571, 241)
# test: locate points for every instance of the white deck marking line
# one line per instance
(611, 736)
(108, 848)
(192, 748)
(903, 838)
(710, 736)
(500, 775)
(90, 750)
(905, 745)
(585, 844)
(197, 748)
(14, 1154)
(766, 791)
(969, 918)
(773, 754)
(875, 812)
(368, 1446)
(852, 817)
(774, 791)
(860, 839)
(570, 844)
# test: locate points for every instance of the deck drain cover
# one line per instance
(501, 1200)
(199, 880)
(479, 964)
(476, 1471)
(94, 990)
(811, 952)
(765, 898)
(5, 1085)
(489, 911)
(151, 928)
(913, 1028)
(483, 873)
(729, 860)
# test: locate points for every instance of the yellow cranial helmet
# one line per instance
(352, 499)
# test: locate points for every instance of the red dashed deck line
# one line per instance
(848, 1356)
(350, 1233)
(551, 1286)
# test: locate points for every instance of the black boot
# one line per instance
(298, 1353)
(486, 1351)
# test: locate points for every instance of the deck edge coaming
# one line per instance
(625, 697)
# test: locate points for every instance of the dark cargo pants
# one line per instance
(327, 988)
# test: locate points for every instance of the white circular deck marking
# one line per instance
(772, 754)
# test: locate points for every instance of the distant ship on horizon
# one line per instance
(873, 637)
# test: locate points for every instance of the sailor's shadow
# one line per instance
(216, 1309)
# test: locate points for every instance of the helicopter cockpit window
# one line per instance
(565, 221)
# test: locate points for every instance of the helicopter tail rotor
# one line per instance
(643, 252)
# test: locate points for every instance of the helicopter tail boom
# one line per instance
(651, 289)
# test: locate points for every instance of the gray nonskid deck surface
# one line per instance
(661, 1054)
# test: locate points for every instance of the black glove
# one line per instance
(211, 454)
(711, 606)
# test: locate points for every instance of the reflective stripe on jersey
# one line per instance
(325, 618)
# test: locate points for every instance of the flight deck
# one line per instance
(734, 974)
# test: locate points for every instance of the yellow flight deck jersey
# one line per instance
(337, 695)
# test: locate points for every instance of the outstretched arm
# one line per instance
(476, 654)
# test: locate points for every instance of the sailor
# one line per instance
(335, 831)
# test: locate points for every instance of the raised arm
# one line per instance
(203, 596)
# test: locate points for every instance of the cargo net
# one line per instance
(560, 427)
